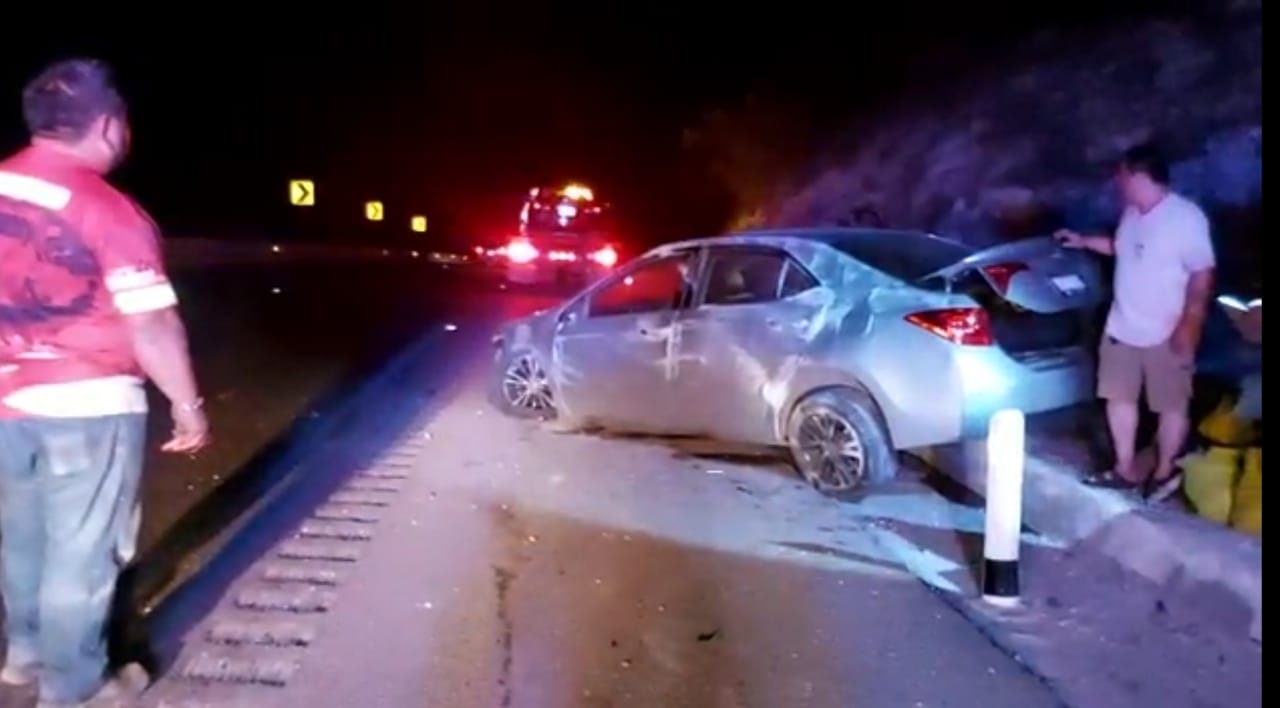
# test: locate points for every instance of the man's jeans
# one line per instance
(68, 523)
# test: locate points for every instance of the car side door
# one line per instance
(612, 352)
(736, 343)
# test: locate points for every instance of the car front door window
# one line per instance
(746, 276)
(662, 284)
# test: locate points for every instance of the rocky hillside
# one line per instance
(1030, 145)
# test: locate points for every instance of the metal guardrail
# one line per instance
(207, 252)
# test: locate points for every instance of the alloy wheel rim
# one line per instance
(830, 451)
(525, 386)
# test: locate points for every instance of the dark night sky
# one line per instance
(455, 111)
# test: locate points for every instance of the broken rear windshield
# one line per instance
(903, 255)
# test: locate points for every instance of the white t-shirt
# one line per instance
(1156, 253)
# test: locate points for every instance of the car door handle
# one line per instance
(653, 330)
(564, 320)
(775, 323)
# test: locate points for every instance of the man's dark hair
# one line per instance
(1147, 159)
(64, 100)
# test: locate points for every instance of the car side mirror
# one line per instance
(566, 318)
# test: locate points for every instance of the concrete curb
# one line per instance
(1182, 554)
(318, 460)
(285, 470)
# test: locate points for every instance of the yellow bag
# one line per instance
(1246, 508)
(1224, 427)
(1209, 481)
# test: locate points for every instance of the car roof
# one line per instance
(821, 234)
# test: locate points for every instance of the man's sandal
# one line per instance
(1107, 479)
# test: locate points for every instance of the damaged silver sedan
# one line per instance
(841, 345)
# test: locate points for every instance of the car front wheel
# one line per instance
(839, 442)
(521, 387)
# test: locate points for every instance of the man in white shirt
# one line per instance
(1163, 286)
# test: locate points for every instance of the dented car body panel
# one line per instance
(723, 336)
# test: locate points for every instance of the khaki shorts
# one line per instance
(1123, 370)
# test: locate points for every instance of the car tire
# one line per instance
(843, 415)
(520, 364)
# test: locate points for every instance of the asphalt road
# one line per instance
(278, 349)
(274, 345)
(519, 566)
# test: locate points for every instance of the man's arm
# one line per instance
(160, 344)
(134, 274)
(148, 304)
(143, 295)
(1186, 337)
(1100, 244)
(1200, 262)
(1097, 243)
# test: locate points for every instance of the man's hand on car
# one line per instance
(190, 429)
(1071, 239)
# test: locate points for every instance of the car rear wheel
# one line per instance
(521, 387)
(839, 442)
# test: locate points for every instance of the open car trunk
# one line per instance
(1040, 297)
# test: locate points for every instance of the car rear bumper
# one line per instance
(945, 394)
(1048, 382)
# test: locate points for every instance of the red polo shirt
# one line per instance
(76, 256)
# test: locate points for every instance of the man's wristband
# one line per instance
(190, 407)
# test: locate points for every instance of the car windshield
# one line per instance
(903, 255)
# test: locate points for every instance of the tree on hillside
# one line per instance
(752, 149)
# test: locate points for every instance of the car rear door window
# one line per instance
(743, 276)
(661, 284)
(796, 280)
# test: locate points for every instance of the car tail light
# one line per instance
(606, 257)
(521, 251)
(1001, 274)
(966, 326)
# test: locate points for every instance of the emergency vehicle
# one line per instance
(563, 237)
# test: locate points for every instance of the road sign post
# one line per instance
(302, 192)
(418, 224)
(1006, 456)
(373, 211)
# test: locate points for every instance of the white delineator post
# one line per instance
(1006, 455)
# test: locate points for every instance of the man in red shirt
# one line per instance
(87, 314)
